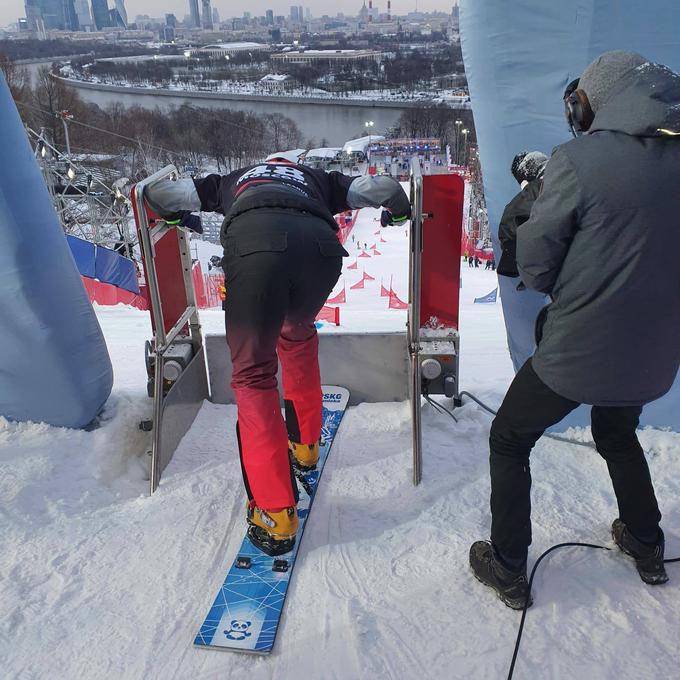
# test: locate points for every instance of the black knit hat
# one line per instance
(514, 168)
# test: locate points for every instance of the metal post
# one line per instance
(65, 116)
(413, 330)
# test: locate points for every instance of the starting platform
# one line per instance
(184, 368)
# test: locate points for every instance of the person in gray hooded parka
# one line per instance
(597, 242)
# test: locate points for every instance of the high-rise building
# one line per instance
(270, 17)
(122, 12)
(33, 14)
(171, 20)
(207, 15)
(294, 14)
(51, 15)
(101, 14)
(71, 22)
(195, 15)
(215, 17)
(84, 16)
(301, 14)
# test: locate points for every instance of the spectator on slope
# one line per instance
(282, 258)
(608, 215)
(527, 168)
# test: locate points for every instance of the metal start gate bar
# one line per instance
(180, 385)
(413, 318)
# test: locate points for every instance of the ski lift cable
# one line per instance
(102, 130)
(199, 111)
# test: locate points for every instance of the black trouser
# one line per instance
(280, 266)
(529, 408)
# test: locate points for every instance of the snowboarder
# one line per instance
(282, 258)
(527, 168)
(607, 215)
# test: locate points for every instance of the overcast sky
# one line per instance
(11, 10)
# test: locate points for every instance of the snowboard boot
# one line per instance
(511, 586)
(272, 532)
(648, 556)
(304, 456)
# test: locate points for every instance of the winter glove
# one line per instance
(186, 219)
(387, 218)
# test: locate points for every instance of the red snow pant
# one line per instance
(280, 266)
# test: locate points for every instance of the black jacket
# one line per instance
(274, 185)
(296, 187)
(515, 214)
(598, 242)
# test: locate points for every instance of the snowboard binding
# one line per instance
(273, 533)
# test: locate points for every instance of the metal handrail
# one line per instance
(413, 328)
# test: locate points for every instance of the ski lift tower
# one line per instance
(434, 287)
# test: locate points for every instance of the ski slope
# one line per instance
(97, 580)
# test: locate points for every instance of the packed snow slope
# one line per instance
(97, 580)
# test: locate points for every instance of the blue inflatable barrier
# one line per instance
(54, 365)
(519, 57)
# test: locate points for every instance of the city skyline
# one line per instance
(12, 10)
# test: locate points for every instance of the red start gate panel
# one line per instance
(442, 232)
(169, 270)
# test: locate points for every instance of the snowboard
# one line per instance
(246, 613)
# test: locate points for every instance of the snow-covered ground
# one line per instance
(97, 580)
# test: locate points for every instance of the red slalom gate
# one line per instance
(395, 302)
(329, 314)
(339, 298)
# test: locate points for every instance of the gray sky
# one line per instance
(11, 10)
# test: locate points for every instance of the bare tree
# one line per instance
(16, 77)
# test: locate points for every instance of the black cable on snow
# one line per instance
(556, 437)
(481, 403)
(566, 440)
(439, 407)
(531, 580)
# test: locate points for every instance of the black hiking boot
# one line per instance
(511, 586)
(648, 556)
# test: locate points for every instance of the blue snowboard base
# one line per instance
(246, 613)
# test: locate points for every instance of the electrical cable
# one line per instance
(550, 435)
(438, 407)
(531, 580)
(549, 550)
